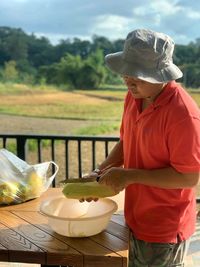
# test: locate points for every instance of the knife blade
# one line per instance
(80, 180)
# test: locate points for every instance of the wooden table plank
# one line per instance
(118, 231)
(91, 261)
(3, 253)
(119, 219)
(10, 239)
(55, 250)
(92, 251)
(113, 243)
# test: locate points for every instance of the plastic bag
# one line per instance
(20, 181)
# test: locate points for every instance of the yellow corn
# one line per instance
(87, 190)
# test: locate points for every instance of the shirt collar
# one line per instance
(166, 94)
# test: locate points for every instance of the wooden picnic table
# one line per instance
(25, 236)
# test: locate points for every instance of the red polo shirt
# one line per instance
(165, 134)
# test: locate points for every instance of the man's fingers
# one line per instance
(88, 199)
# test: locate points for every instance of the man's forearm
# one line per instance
(167, 178)
(115, 157)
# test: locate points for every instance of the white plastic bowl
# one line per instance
(71, 218)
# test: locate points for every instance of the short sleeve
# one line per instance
(184, 145)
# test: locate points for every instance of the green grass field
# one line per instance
(104, 107)
(90, 105)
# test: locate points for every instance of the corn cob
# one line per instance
(87, 190)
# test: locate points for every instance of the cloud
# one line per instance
(194, 15)
(62, 19)
(166, 8)
(110, 25)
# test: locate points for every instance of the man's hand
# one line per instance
(115, 178)
(94, 174)
(88, 199)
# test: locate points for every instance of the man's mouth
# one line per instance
(133, 90)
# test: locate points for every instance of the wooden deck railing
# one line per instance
(18, 144)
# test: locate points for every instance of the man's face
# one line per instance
(142, 89)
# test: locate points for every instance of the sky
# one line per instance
(62, 19)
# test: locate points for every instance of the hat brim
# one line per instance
(117, 63)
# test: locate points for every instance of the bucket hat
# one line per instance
(146, 55)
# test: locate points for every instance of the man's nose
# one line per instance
(131, 82)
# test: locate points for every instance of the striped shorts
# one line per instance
(145, 254)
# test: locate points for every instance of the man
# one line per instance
(157, 159)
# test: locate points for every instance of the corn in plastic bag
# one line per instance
(20, 181)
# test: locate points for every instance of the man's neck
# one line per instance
(149, 100)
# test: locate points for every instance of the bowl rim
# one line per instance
(41, 210)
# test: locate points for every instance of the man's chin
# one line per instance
(135, 94)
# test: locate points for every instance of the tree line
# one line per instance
(75, 63)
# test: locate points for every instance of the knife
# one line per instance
(80, 180)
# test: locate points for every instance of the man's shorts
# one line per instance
(145, 254)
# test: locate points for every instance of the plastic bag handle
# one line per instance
(50, 179)
(56, 170)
